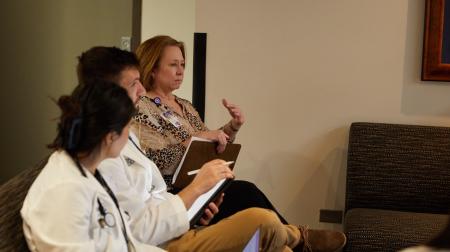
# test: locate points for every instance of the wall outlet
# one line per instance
(331, 216)
(125, 43)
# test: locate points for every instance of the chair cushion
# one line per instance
(385, 230)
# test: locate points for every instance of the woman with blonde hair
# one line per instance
(165, 124)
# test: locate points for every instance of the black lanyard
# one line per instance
(137, 147)
(102, 210)
(167, 178)
(102, 182)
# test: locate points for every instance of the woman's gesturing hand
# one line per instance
(236, 114)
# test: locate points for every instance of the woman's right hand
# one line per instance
(208, 176)
(217, 136)
(210, 173)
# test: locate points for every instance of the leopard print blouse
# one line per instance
(159, 138)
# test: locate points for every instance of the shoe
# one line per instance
(313, 240)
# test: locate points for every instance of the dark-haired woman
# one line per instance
(70, 207)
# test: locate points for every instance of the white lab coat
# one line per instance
(61, 212)
(156, 215)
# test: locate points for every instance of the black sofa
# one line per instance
(398, 185)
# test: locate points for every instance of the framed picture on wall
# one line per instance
(436, 43)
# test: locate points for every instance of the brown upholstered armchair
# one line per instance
(12, 194)
(398, 185)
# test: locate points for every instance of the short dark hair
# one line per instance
(104, 63)
(89, 114)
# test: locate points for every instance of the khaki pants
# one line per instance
(233, 234)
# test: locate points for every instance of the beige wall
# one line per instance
(40, 43)
(303, 71)
(175, 18)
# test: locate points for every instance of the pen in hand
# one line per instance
(193, 172)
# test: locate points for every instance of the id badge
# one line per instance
(169, 116)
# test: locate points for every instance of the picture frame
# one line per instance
(436, 42)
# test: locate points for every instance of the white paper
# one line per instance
(200, 201)
(253, 244)
(174, 178)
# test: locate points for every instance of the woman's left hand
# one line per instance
(236, 113)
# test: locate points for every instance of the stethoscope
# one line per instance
(107, 218)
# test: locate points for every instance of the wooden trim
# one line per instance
(432, 67)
